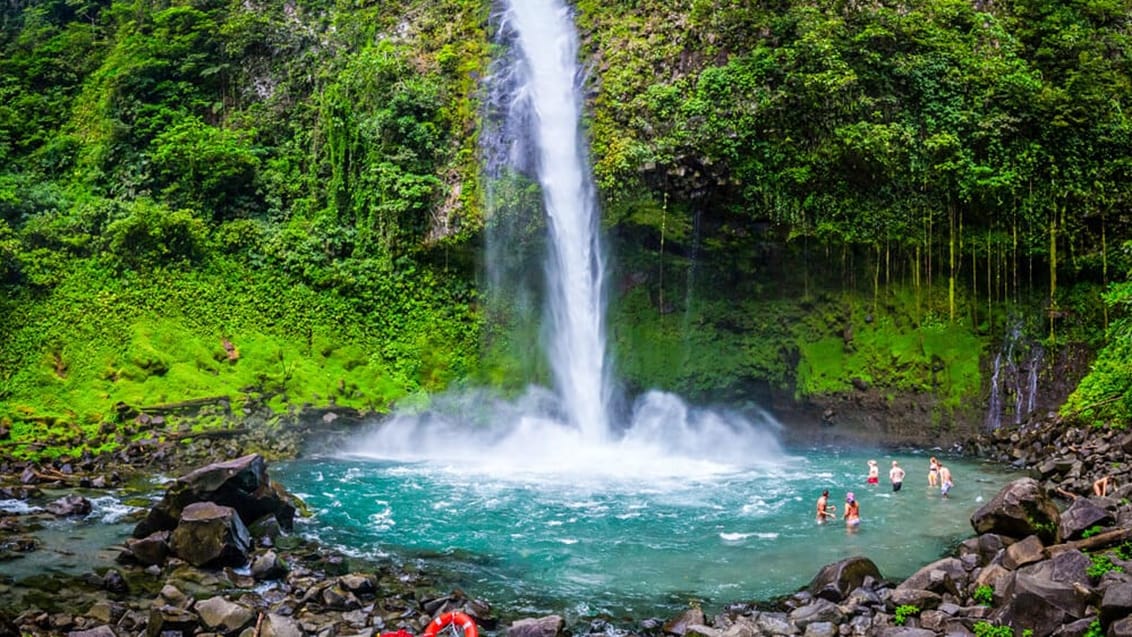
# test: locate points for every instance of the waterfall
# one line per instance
(549, 102)
(532, 132)
(1014, 373)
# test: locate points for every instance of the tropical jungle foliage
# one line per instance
(280, 202)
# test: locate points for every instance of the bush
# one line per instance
(152, 235)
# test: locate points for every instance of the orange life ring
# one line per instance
(455, 617)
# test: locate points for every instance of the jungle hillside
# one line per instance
(280, 204)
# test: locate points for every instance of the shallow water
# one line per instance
(617, 545)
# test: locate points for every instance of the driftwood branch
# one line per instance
(1098, 541)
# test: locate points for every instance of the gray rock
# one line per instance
(223, 616)
(1027, 551)
(921, 599)
(1120, 628)
(835, 581)
(1021, 508)
(820, 610)
(268, 566)
(775, 624)
(1040, 604)
(678, 625)
(242, 484)
(1117, 602)
(170, 619)
(67, 506)
(548, 626)
(152, 549)
(821, 629)
(1083, 514)
(942, 576)
(275, 625)
(210, 534)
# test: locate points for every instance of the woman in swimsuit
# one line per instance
(852, 510)
(933, 472)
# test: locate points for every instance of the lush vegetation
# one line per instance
(279, 201)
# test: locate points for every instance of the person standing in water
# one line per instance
(852, 510)
(944, 481)
(933, 472)
(896, 474)
(825, 509)
(874, 473)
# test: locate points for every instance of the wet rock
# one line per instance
(152, 549)
(69, 506)
(1020, 509)
(679, 625)
(548, 626)
(115, 583)
(242, 484)
(268, 566)
(210, 534)
(835, 581)
(775, 624)
(223, 616)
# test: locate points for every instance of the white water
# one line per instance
(569, 431)
(575, 266)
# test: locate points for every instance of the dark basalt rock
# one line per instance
(242, 484)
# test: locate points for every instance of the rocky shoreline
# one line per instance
(215, 557)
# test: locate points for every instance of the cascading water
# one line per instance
(575, 264)
(1014, 373)
(533, 131)
(556, 502)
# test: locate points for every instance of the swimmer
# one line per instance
(852, 510)
(933, 472)
(896, 474)
(874, 473)
(944, 481)
(825, 509)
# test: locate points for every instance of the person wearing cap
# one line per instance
(874, 473)
(896, 474)
(852, 510)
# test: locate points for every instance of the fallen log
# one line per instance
(1098, 541)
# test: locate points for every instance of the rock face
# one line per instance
(835, 581)
(1022, 508)
(211, 535)
(241, 484)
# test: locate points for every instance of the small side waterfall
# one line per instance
(1014, 374)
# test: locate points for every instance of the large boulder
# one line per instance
(1035, 602)
(835, 581)
(211, 535)
(242, 484)
(1020, 509)
(1082, 515)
